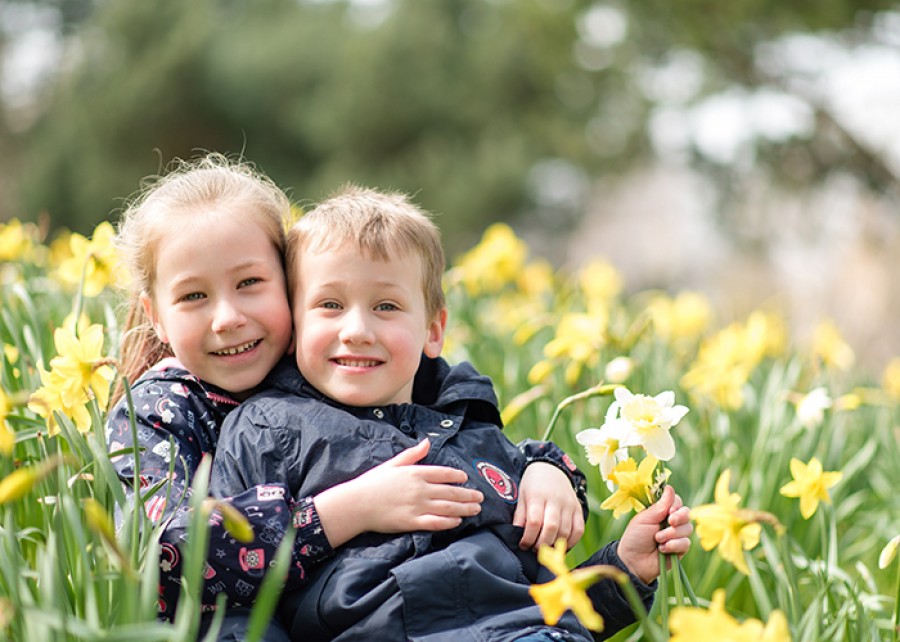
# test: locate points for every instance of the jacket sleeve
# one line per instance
(158, 441)
(550, 453)
(608, 598)
(237, 569)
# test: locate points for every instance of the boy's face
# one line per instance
(219, 300)
(361, 325)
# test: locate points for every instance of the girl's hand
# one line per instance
(548, 508)
(397, 497)
(644, 537)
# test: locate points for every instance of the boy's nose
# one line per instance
(355, 328)
(227, 316)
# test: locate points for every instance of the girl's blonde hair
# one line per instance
(382, 224)
(188, 190)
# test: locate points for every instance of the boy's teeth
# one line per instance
(358, 363)
(238, 349)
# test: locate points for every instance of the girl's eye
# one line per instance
(386, 307)
(249, 281)
(193, 296)
(331, 305)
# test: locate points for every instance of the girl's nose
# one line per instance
(227, 316)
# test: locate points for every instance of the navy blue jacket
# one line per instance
(469, 583)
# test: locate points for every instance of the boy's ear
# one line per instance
(434, 339)
(150, 311)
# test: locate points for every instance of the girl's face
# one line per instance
(219, 300)
(362, 325)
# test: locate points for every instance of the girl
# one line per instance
(208, 319)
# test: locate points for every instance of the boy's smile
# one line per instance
(361, 325)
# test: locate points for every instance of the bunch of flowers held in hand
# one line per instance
(633, 420)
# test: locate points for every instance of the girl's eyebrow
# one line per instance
(189, 279)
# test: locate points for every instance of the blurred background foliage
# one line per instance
(748, 149)
(488, 109)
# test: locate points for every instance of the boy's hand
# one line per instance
(397, 497)
(643, 536)
(548, 508)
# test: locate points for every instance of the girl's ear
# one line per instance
(150, 311)
(434, 339)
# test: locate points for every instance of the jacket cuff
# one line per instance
(310, 543)
(549, 453)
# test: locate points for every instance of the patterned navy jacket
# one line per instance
(177, 419)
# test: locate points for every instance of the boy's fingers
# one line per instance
(441, 474)
(411, 455)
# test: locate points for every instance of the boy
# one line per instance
(364, 271)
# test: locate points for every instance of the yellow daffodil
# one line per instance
(811, 407)
(16, 241)
(715, 624)
(600, 283)
(520, 402)
(93, 260)
(7, 436)
(56, 395)
(634, 486)
(810, 484)
(80, 361)
(725, 361)
(829, 346)
(579, 338)
(540, 371)
(681, 319)
(11, 352)
(568, 589)
(492, 264)
(536, 279)
(727, 527)
(890, 379)
(21, 481)
(234, 521)
(78, 374)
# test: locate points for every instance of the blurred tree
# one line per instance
(486, 109)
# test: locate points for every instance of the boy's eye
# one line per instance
(331, 305)
(249, 281)
(386, 307)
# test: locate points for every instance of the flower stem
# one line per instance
(687, 583)
(896, 619)
(599, 390)
(663, 591)
(649, 626)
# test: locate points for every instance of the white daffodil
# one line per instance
(812, 406)
(618, 370)
(889, 552)
(649, 420)
(604, 447)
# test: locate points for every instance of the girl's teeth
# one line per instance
(361, 364)
(238, 349)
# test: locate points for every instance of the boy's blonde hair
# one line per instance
(186, 192)
(384, 225)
